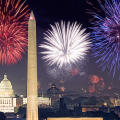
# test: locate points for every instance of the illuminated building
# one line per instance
(55, 94)
(32, 105)
(24, 100)
(8, 102)
(81, 118)
(6, 88)
(53, 90)
(6, 94)
(6, 105)
(115, 101)
(86, 108)
(42, 101)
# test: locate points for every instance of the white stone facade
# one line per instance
(24, 100)
(6, 105)
(6, 88)
(41, 100)
(7, 109)
(7, 100)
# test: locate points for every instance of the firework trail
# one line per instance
(13, 30)
(65, 44)
(106, 36)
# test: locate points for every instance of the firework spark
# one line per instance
(91, 89)
(61, 81)
(106, 36)
(74, 71)
(94, 79)
(13, 30)
(62, 89)
(65, 44)
(38, 84)
(96, 84)
(109, 87)
(66, 72)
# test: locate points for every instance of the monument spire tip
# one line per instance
(32, 17)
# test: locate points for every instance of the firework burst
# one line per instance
(65, 44)
(106, 36)
(38, 84)
(91, 88)
(13, 30)
(62, 89)
(94, 79)
(96, 84)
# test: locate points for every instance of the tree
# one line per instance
(79, 100)
(90, 101)
(111, 116)
(100, 102)
(2, 116)
(106, 116)
(21, 110)
(67, 100)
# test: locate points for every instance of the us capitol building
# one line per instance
(7, 100)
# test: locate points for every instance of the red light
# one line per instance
(31, 18)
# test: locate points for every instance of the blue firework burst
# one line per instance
(106, 36)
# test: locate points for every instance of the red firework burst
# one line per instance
(62, 89)
(13, 30)
(96, 83)
(109, 87)
(74, 71)
(94, 79)
(38, 85)
(91, 89)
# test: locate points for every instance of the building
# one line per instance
(8, 102)
(42, 101)
(55, 94)
(53, 91)
(6, 88)
(6, 94)
(90, 108)
(115, 101)
(81, 118)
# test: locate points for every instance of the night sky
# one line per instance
(47, 12)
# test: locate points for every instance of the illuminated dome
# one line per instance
(6, 88)
(53, 90)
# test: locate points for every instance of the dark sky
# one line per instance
(47, 12)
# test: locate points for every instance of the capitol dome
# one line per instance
(53, 90)
(6, 88)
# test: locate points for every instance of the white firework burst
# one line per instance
(65, 44)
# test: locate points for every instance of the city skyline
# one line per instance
(47, 13)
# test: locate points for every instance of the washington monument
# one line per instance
(32, 95)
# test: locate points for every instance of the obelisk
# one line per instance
(32, 95)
